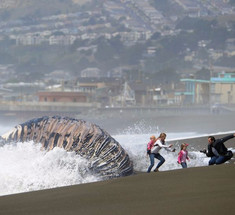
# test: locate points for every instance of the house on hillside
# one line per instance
(91, 72)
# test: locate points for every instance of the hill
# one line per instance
(19, 9)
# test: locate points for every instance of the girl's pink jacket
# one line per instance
(180, 157)
(150, 145)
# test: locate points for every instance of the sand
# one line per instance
(204, 190)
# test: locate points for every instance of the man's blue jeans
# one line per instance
(217, 160)
(159, 157)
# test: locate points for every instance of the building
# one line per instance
(194, 92)
(61, 39)
(223, 88)
(91, 73)
(62, 96)
(102, 90)
(219, 90)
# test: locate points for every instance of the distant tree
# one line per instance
(218, 37)
(6, 58)
(203, 74)
(108, 49)
(122, 18)
(121, 28)
(32, 72)
(104, 51)
(132, 75)
(203, 54)
(165, 76)
(202, 29)
(87, 52)
(83, 63)
(226, 61)
(117, 44)
(132, 55)
(78, 43)
(232, 2)
(6, 43)
(92, 21)
(166, 7)
(156, 36)
(5, 15)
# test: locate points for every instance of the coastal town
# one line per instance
(128, 23)
(103, 102)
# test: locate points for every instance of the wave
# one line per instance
(26, 167)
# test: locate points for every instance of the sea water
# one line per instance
(27, 167)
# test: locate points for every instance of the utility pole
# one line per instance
(210, 87)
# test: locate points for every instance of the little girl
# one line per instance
(183, 155)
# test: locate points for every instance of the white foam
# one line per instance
(25, 167)
(136, 145)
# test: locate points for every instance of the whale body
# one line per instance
(106, 156)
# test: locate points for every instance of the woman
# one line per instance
(154, 153)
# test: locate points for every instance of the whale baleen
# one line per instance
(105, 155)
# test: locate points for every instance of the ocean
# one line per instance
(27, 167)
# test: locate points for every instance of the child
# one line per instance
(183, 155)
(150, 145)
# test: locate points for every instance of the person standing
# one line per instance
(154, 152)
(183, 155)
(217, 151)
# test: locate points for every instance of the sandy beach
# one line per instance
(204, 190)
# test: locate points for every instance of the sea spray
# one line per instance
(26, 167)
(136, 147)
(140, 127)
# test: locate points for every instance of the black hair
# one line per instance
(212, 138)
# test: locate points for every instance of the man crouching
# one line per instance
(217, 151)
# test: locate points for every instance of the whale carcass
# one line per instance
(105, 155)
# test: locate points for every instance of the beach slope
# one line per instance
(201, 190)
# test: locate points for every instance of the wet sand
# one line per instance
(204, 190)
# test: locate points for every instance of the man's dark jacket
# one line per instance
(219, 146)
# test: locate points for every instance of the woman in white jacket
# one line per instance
(160, 143)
